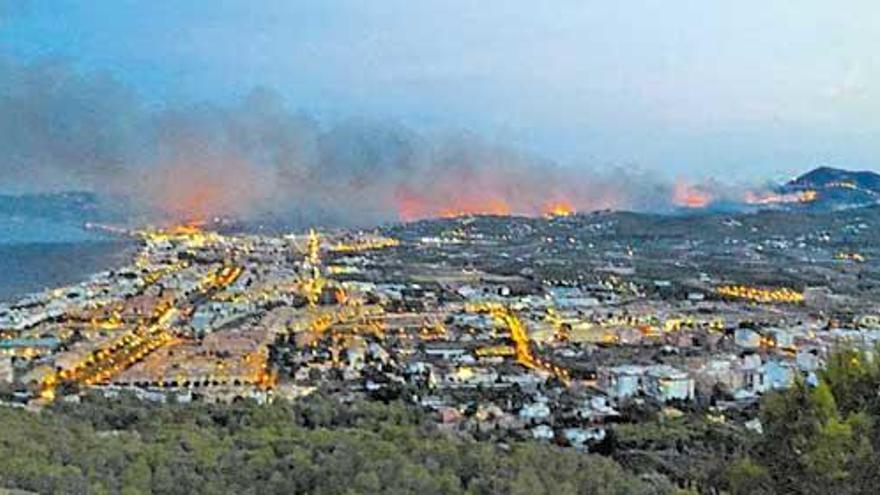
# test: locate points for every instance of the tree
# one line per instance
(854, 377)
(808, 446)
(746, 477)
(136, 478)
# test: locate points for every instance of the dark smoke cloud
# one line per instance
(62, 129)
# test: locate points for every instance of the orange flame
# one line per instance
(188, 228)
(478, 206)
(411, 206)
(766, 198)
(558, 209)
(193, 188)
(689, 196)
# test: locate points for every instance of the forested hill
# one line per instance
(315, 446)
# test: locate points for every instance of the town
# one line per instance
(552, 329)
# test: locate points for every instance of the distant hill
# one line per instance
(837, 188)
(829, 176)
(56, 217)
(69, 206)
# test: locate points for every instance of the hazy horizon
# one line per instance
(594, 97)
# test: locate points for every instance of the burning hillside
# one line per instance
(446, 202)
(412, 206)
(490, 181)
(770, 198)
(558, 209)
(690, 196)
(258, 160)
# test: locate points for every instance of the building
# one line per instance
(747, 338)
(621, 381)
(665, 383)
(6, 371)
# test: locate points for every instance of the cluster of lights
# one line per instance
(188, 234)
(132, 346)
(364, 245)
(122, 352)
(757, 294)
(521, 345)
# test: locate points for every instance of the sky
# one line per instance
(729, 90)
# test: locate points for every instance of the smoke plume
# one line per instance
(61, 129)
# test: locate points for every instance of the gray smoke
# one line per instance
(62, 129)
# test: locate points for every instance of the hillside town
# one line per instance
(553, 329)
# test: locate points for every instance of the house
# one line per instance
(445, 351)
(718, 371)
(6, 373)
(752, 374)
(534, 411)
(577, 437)
(570, 297)
(808, 361)
(778, 374)
(782, 339)
(469, 376)
(772, 375)
(542, 432)
(596, 409)
(747, 338)
(525, 381)
(665, 383)
(621, 381)
(696, 296)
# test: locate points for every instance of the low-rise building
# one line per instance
(665, 383)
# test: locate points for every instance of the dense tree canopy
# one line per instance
(316, 446)
(819, 439)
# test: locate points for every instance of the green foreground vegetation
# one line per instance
(315, 446)
(816, 439)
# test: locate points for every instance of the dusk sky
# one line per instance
(736, 90)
